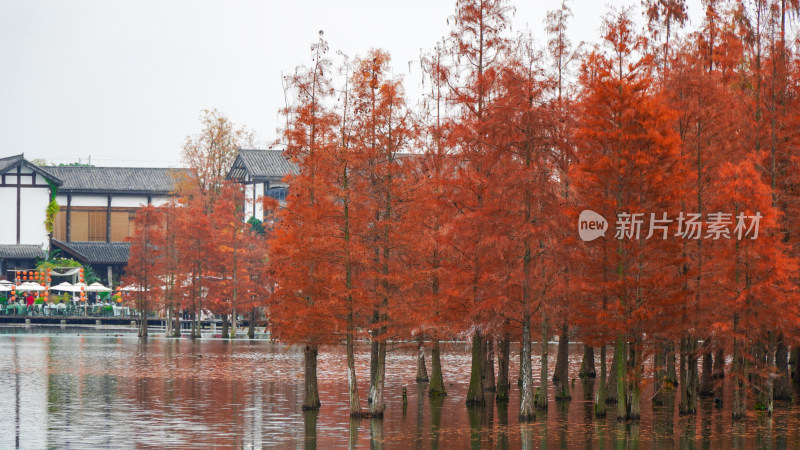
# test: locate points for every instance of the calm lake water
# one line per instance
(106, 389)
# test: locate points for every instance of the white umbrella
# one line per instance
(30, 286)
(63, 287)
(69, 287)
(6, 286)
(132, 288)
(97, 287)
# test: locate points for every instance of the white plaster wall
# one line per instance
(8, 215)
(159, 201)
(86, 200)
(128, 201)
(249, 198)
(117, 201)
(33, 210)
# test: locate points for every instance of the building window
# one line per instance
(88, 226)
(60, 225)
(278, 193)
(121, 225)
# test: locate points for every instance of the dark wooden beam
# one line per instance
(266, 188)
(108, 220)
(69, 216)
(19, 202)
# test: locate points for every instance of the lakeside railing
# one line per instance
(67, 310)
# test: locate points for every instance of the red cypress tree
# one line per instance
(144, 263)
(629, 164)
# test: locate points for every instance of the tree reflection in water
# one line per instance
(97, 390)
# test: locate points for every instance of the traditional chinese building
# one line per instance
(96, 206)
(263, 173)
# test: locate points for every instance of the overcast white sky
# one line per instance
(124, 81)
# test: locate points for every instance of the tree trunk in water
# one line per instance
(719, 361)
(376, 404)
(672, 376)
(311, 395)
(373, 352)
(436, 388)
(611, 382)
(526, 400)
(600, 400)
(688, 381)
(619, 354)
(587, 364)
(488, 365)
(251, 327)
(694, 375)
(767, 361)
(234, 320)
(519, 373)
(635, 385)
(707, 381)
(659, 373)
(684, 385)
(168, 322)
(373, 359)
(352, 381)
(783, 385)
(225, 326)
(794, 356)
(540, 397)
(503, 355)
(561, 374)
(422, 371)
(143, 322)
(475, 391)
(176, 330)
(739, 374)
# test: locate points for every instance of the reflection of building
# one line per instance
(97, 206)
(262, 172)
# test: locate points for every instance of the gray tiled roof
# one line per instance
(10, 162)
(23, 251)
(96, 252)
(134, 180)
(262, 165)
